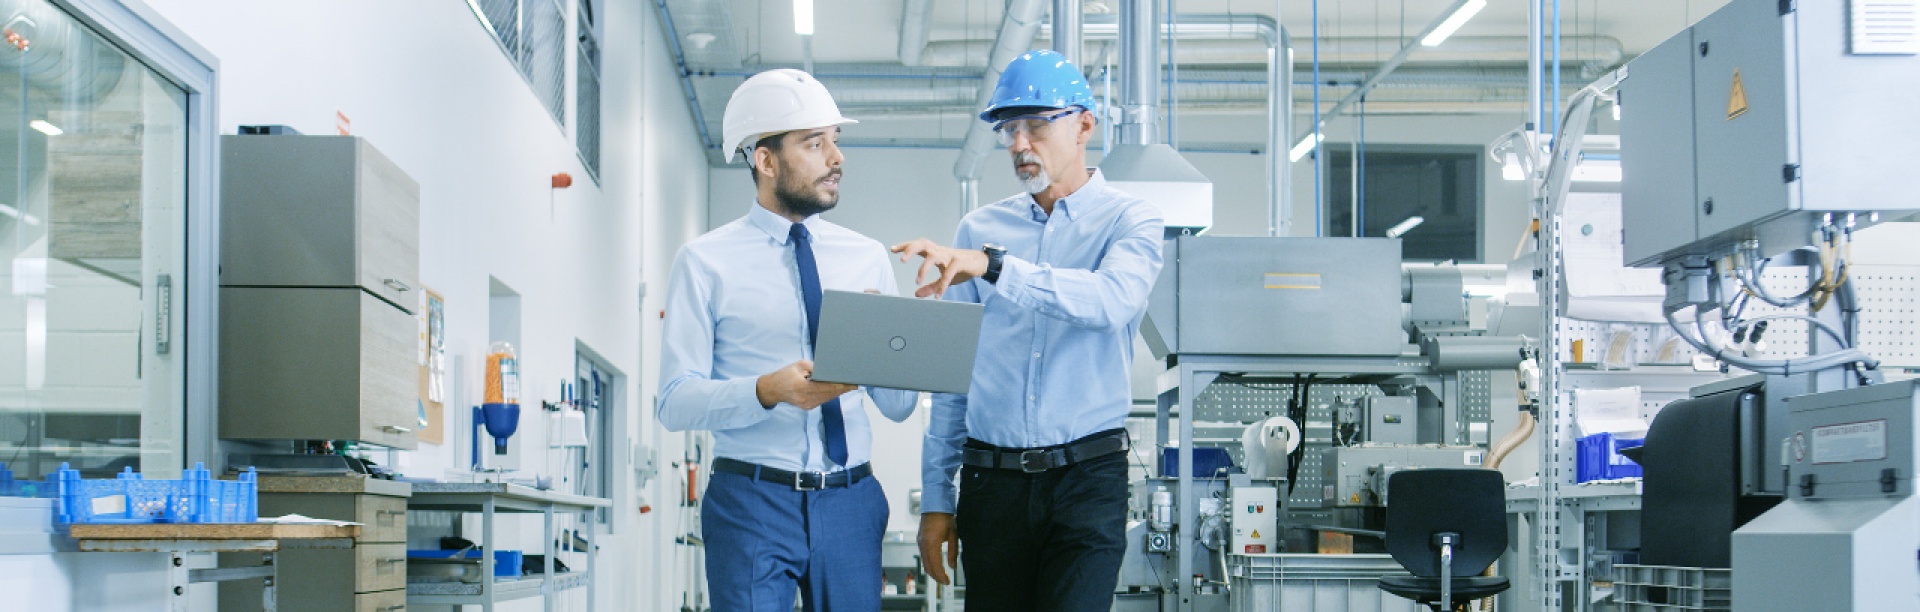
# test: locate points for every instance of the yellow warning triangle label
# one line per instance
(1737, 100)
(1256, 533)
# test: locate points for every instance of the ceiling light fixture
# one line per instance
(1401, 228)
(1453, 22)
(43, 127)
(803, 17)
(1305, 146)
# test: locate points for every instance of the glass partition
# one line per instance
(92, 225)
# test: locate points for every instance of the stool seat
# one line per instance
(1427, 590)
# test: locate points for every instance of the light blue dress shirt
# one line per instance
(735, 312)
(1056, 340)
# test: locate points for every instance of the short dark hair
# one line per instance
(773, 143)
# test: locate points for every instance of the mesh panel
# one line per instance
(545, 60)
(586, 112)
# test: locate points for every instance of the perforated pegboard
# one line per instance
(1476, 396)
(1245, 402)
(1889, 297)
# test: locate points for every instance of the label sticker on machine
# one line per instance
(1292, 280)
(1850, 442)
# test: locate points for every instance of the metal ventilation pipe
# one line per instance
(1138, 68)
(1066, 29)
(1017, 32)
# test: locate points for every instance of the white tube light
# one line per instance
(803, 17)
(43, 127)
(1305, 146)
(1453, 23)
(1401, 228)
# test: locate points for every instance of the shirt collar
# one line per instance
(1081, 200)
(776, 226)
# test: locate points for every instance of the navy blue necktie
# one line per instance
(810, 292)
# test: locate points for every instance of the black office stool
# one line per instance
(1446, 526)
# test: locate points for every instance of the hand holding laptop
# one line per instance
(896, 342)
(793, 384)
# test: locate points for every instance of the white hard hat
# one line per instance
(777, 101)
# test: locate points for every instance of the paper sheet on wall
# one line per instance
(1599, 288)
(1614, 411)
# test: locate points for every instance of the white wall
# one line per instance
(426, 84)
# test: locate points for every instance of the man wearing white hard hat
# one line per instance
(1063, 272)
(792, 503)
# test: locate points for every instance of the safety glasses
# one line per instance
(1034, 126)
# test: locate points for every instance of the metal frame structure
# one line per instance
(489, 500)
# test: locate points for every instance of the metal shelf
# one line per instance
(489, 499)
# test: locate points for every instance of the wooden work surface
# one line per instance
(211, 531)
(334, 484)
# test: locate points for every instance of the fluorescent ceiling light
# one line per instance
(1401, 228)
(1616, 111)
(1453, 23)
(1510, 168)
(43, 127)
(1305, 146)
(803, 17)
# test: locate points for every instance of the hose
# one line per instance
(1512, 441)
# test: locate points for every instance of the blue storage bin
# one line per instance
(1598, 458)
(23, 488)
(506, 563)
(131, 498)
(1208, 462)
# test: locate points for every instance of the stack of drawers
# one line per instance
(370, 577)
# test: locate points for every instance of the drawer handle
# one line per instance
(394, 608)
(395, 429)
(396, 512)
(397, 285)
(393, 560)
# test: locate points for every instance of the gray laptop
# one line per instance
(896, 342)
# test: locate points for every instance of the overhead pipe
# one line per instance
(915, 24)
(1213, 45)
(1017, 30)
(1066, 21)
(1139, 71)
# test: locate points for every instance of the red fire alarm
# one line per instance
(562, 180)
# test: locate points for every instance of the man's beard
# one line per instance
(803, 198)
(1036, 182)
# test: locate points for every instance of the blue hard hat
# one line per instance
(1043, 79)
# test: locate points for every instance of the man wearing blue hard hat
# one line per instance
(1063, 271)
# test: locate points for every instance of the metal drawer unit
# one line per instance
(371, 576)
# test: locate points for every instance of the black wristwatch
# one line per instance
(995, 253)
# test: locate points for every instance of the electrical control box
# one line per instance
(1763, 119)
(1391, 420)
(1356, 476)
(1256, 524)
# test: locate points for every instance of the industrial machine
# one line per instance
(1348, 362)
(1767, 134)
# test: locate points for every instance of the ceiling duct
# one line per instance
(1152, 172)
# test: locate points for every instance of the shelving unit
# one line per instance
(490, 499)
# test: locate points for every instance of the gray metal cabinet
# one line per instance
(316, 364)
(320, 268)
(318, 211)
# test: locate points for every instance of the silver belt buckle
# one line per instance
(799, 483)
(1028, 457)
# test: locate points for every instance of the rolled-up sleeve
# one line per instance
(1110, 295)
(689, 396)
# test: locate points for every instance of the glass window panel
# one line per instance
(92, 214)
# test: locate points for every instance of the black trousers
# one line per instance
(1046, 542)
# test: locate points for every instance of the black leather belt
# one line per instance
(1036, 460)
(800, 481)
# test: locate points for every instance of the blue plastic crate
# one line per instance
(9, 487)
(1599, 458)
(506, 563)
(131, 498)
